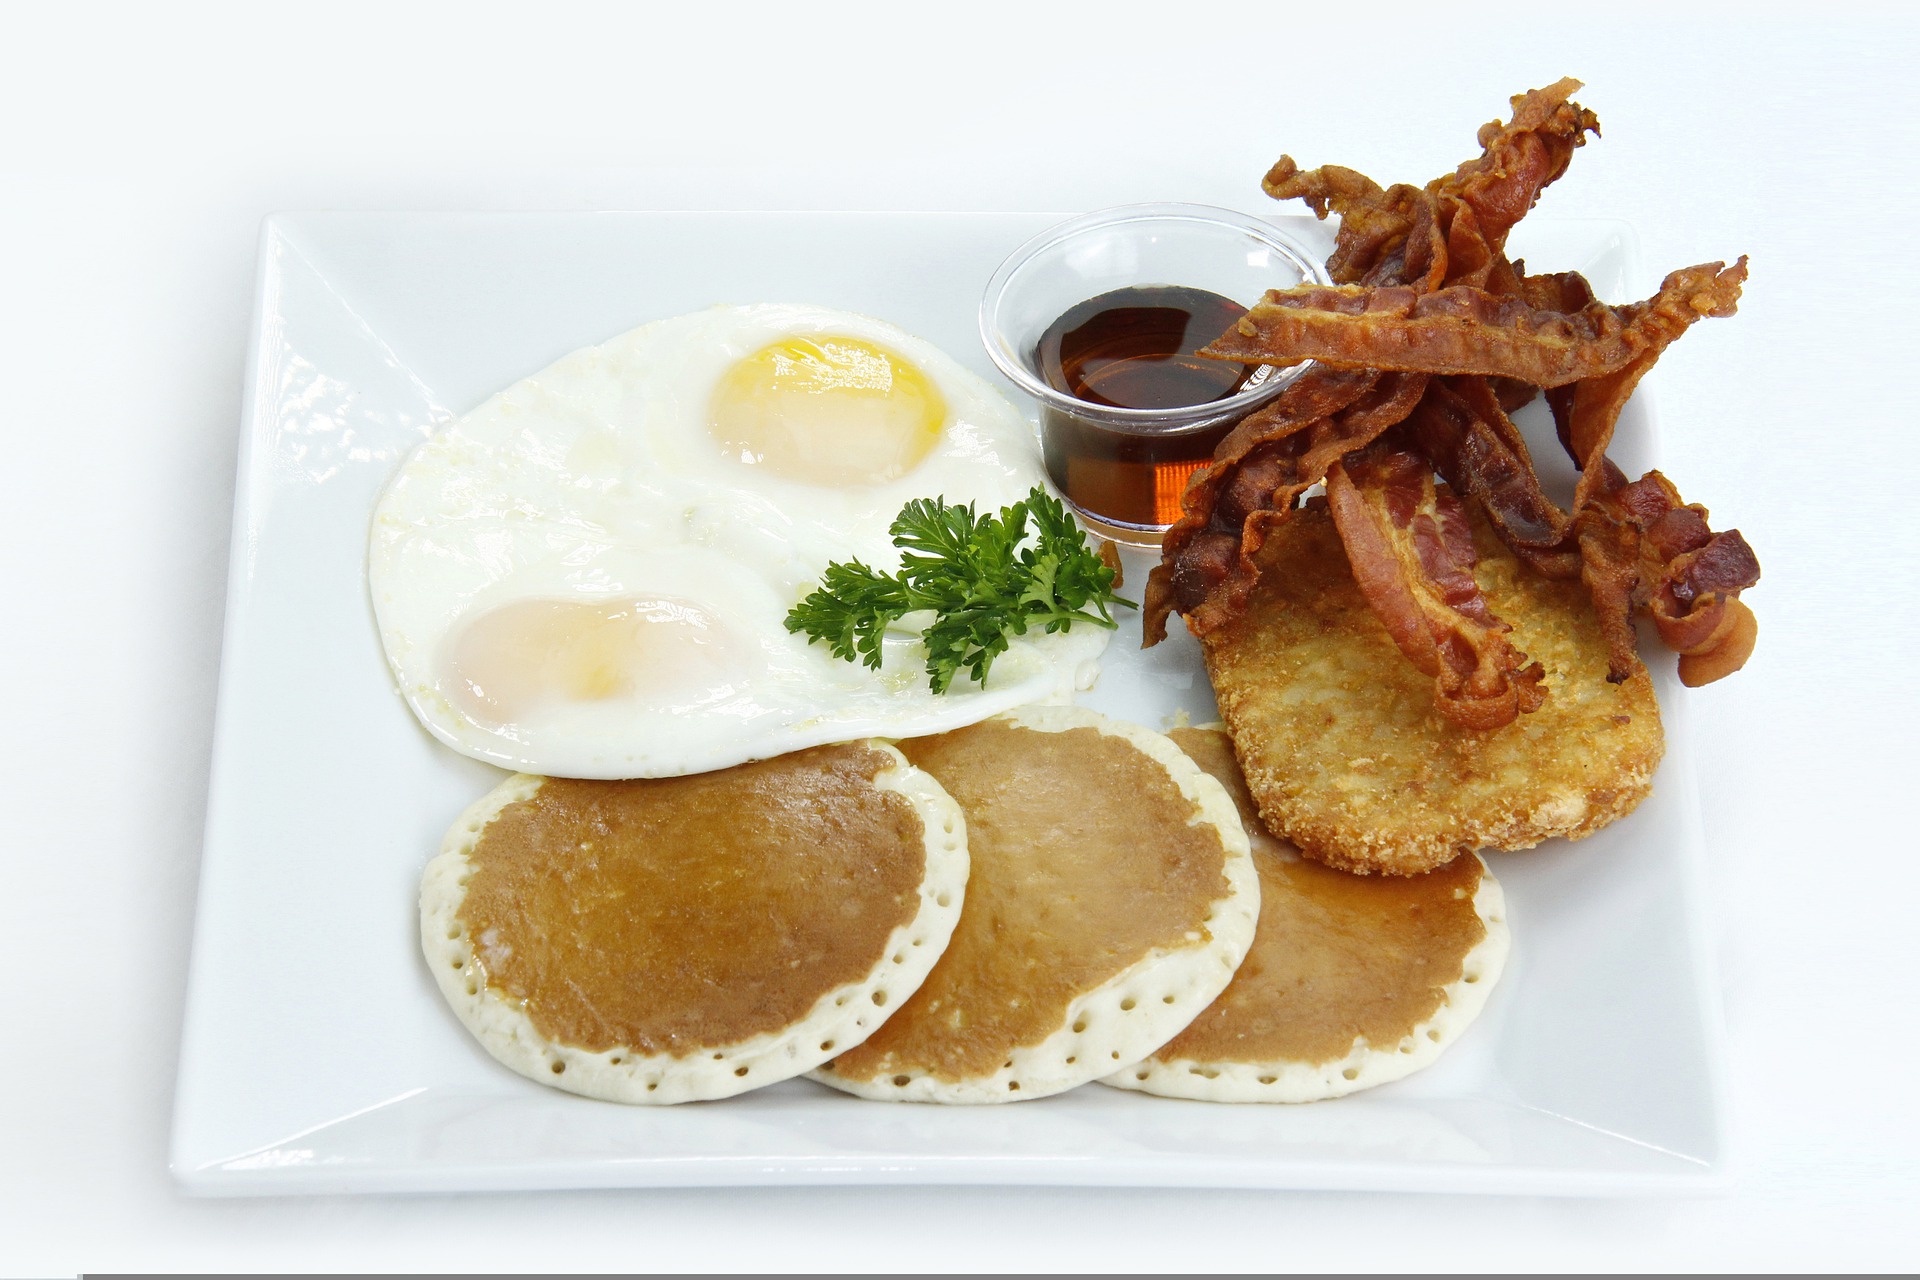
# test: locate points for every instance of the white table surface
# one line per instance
(140, 148)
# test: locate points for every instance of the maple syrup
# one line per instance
(1135, 348)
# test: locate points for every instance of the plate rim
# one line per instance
(1689, 1176)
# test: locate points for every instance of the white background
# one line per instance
(140, 148)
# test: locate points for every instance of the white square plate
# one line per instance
(318, 1055)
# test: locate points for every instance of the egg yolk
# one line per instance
(529, 655)
(827, 411)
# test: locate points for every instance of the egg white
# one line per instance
(597, 478)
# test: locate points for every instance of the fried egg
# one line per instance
(588, 575)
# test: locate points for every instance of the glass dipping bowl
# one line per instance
(1123, 470)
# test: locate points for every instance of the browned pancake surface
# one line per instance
(1084, 861)
(674, 914)
(1336, 956)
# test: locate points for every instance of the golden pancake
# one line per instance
(1345, 754)
(1111, 897)
(675, 939)
(1351, 981)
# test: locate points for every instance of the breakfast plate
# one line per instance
(317, 1055)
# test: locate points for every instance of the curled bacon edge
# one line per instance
(1412, 554)
(1638, 547)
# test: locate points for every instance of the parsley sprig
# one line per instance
(986, 579)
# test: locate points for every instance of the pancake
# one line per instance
(1352, 981)
(1111, 898)
(684, 938)
(1345, 754)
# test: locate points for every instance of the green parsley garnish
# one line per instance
(978, 574)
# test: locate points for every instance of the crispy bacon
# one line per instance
(1198, 549)
(1585, 413)
(1563, 291)
(1211, 571)
(1503, 277)
(1455, 230)
(1517, 161)
(1728, 649)
(1462, 329)
(1512, 393)
(1646, 548)
(1374, 223)
(1412, 554)
(1424, 287)
(1461, 428)
(1610, 568)
(1207, 567)
(1470, 258)
(1317, 394)
(1424, 258)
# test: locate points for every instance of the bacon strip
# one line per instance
(1412, 554)
(1518, 159)
(1462, 429)
(1585, 413)
(1470, 256)
(1390, 236)
(1647, 548)
(1512, 393)
(1317, 394)
(1198, 549)
(1455, 230)
(1466, 330)
(1207, 567)
(1563, 291)
(1424, 287)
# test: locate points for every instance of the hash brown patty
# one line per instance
(1345, 753)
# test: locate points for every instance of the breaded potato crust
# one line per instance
(1342, 747)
